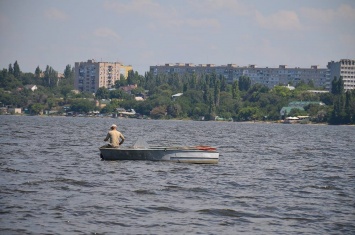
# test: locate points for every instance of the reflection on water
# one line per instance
(271, 179)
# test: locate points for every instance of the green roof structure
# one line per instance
(297, 105)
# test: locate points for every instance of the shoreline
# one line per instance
(176, 119)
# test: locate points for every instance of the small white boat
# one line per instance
(196, 154)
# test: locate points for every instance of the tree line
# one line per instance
(208, 96)
(343, 111)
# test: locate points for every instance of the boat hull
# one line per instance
(162, 154)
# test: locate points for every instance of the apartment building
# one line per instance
(91, 75)
(266, 76)
(344, 68)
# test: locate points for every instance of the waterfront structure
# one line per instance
(266, 76)
(344, 68)
(91, 75)
(297, 105)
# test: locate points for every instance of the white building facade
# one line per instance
(344, 68)
(266, 76)
(91, 75)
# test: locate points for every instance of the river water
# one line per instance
(271, 179)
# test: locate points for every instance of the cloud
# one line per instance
(318, 15)
(5, 23)
(282, 20)
(348, 39)
(343, 12)
(340, 20)
(346, 12)
(55, 14)
(138, 7)
(202, 23)
(160, 15)
(212, 6)
(106, 33)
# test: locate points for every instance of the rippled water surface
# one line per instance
(271, 179)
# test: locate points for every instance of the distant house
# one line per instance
(129, 88)
(3, 110)
(31, 87)
(138, 98)
(60, 75)
(176, 95)
(297, 105)
(291, 88)
(286, 110)
(102, 103)
(14, 110)
(318, 91)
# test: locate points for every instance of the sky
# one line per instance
(142, 33)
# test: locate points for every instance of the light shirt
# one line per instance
(114, 137)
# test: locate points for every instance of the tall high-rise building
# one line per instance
(344, 68)
(91, 75)
(266, 76)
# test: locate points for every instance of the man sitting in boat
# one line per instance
(116, 138)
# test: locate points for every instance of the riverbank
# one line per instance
(173, 119)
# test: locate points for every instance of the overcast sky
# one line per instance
(150, 32)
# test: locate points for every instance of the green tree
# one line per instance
(111, 107)
(318, 113)
(184, 87)
(254, 93)
(82, 105)
(206, 92)
(249, 113)
(11, 70)
(211, 108)
(158, 112)
(132, 77)
(174, 110)
(244, 83)
(337, 115)
(297, 112)
(235, 90)
(66, 91)
(38, 72)
(217, 92)
(17, 71)
(36, 108)
(281, 91)
(115, 94)
(227, 103)
(192, 81)
(68, 72)
(121, 82)
(8, 81)
(50, 77)
(326, 98)
(302, 85)
(27, 78)
(51, 103)
(102, 93)
(223, 83)
(337, 86)
(349, 108)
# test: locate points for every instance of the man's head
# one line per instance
(113, 126)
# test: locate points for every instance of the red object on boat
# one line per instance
(206, 148)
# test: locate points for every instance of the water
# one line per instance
(271, 179)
